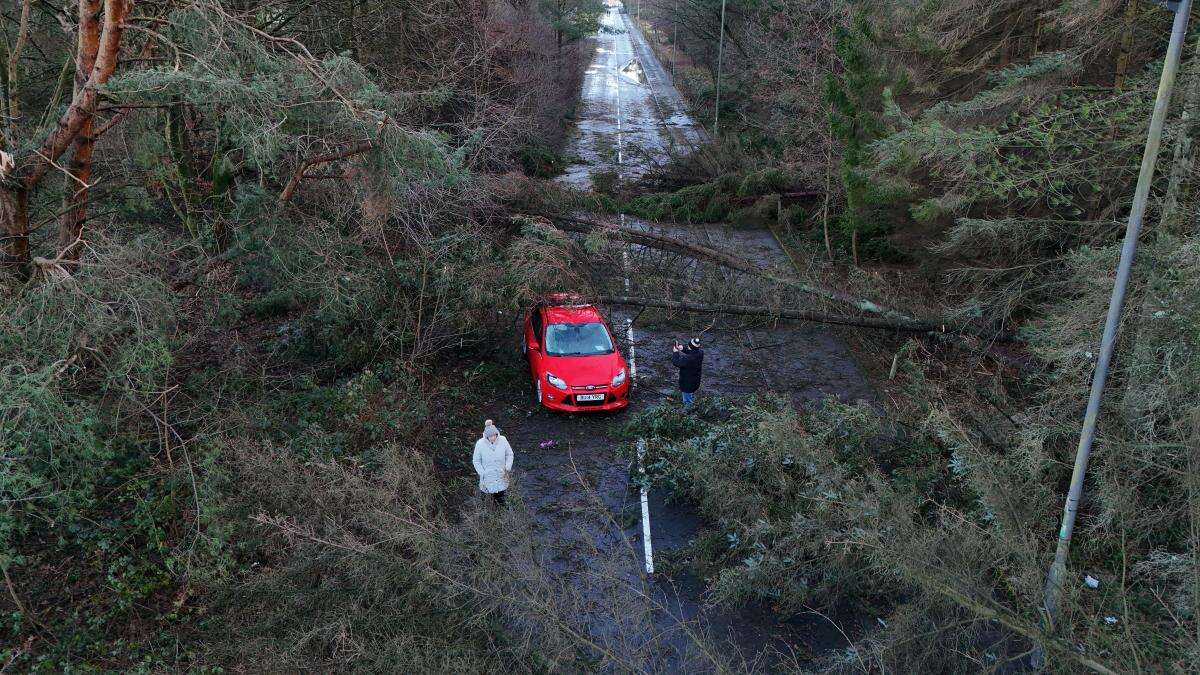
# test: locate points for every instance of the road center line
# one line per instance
(647, 548)
(641, 444)
(620, 139)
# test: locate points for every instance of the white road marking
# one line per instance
(647, 548)
(629, 321)
(641, 448)
(620, 138)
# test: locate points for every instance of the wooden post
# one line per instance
(1126, 51)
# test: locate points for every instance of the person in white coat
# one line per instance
(493, 462)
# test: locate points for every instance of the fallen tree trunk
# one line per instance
(905, 325)
(892, 319)
(889, 318)
(675, 245)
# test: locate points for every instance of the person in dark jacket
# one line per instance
(689, 360)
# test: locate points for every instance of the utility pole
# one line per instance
(1054, 579)
(720, 57)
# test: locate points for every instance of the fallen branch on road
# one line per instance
(905, 325)
(889, 318)
(675, 245)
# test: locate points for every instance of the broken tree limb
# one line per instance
(300, 174)
(892, 318)
(892, 324)
(676, 245)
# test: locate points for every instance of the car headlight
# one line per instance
(557, 382)
(619, 379)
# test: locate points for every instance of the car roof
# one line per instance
(572, 314)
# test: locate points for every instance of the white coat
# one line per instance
(493, 462)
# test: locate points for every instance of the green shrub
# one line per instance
(704, 203)
(764, 182)
(605, 182)
(764, 210)
(717, 200)
(103, 331)
(540, 161)
(276, 303)
(81, 359)
(773, 484)
(347, 579)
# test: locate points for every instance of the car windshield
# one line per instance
(577, 339)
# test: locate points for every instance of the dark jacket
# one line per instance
(689, 362)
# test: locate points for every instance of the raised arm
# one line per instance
(683, 359)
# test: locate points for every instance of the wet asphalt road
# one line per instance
(630, 118)
(587, 517)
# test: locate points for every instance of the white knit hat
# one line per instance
(489, 428)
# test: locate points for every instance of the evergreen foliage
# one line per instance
(995, 146)
(226, 412)
(160, 393)
(856, 101)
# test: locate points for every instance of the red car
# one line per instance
(573, 357)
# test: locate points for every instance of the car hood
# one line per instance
(584, 370)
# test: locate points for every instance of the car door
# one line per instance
(535, 332)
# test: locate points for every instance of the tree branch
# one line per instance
(675, 245)
(14, 60)
(913, 326)
(299, 176)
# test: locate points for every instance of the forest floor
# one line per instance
(570, 474)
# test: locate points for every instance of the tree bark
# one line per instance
(83, 103)
(1126, 51)
(825, 203)
(14, 228)
(79, 171)
(21, 173)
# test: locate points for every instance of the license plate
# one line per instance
(589, 397)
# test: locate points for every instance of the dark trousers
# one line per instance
(498, 497)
